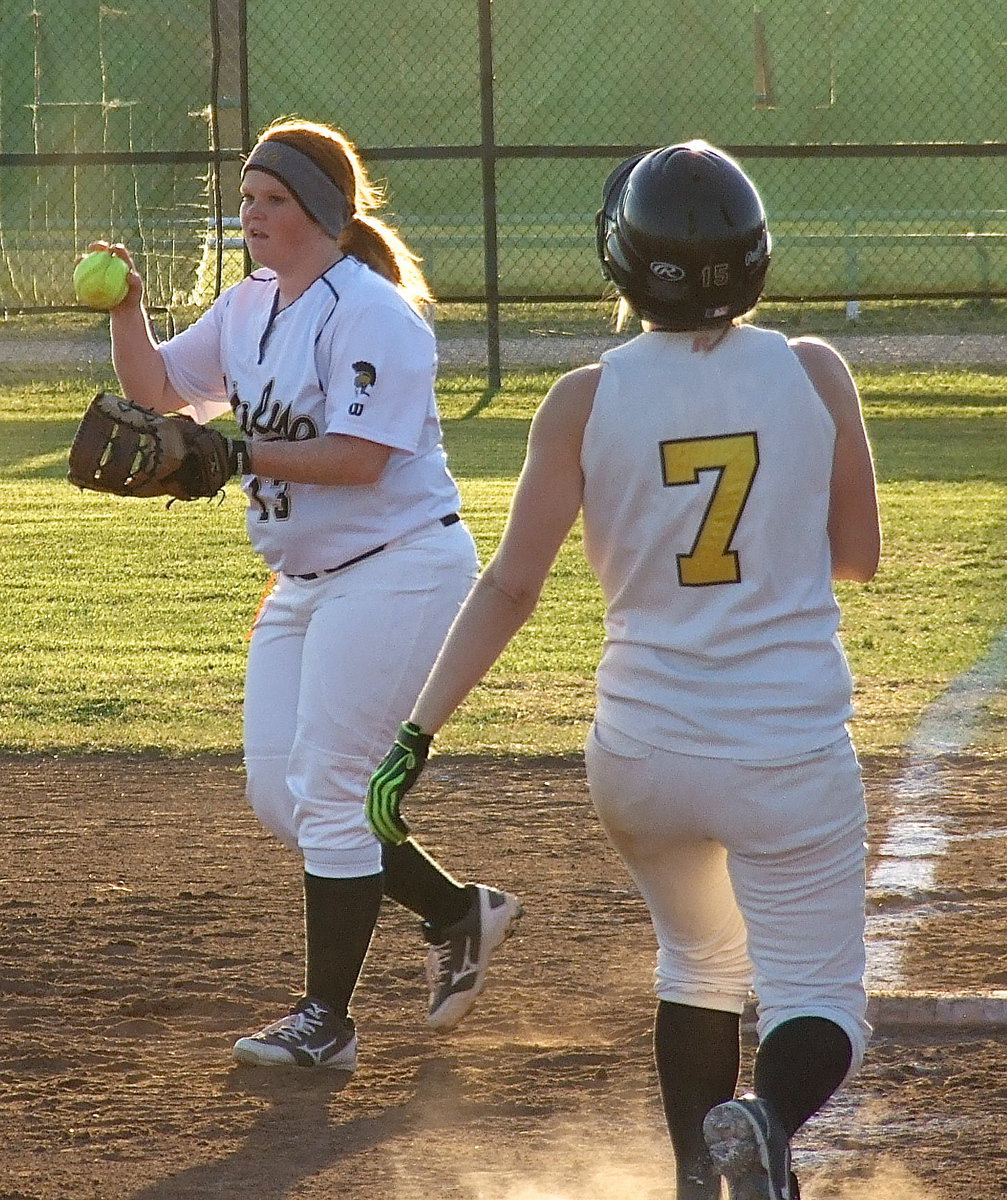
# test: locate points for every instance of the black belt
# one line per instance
(450, 519)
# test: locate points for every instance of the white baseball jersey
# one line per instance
(349, 356)
(707, 482)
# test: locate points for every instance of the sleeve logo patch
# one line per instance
(364, 377)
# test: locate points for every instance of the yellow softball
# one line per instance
(99, 280)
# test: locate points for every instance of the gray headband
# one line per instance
(319, 195)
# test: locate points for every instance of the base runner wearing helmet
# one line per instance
(725, 480)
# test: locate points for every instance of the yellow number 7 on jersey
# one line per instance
(735, 458)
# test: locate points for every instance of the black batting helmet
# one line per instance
(682, 234)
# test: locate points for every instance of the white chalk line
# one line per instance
(902, 886)
(918, 837)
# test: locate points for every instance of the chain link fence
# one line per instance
(102, 133)
(874, 131)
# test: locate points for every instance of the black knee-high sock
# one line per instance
(799, 1065)
(414, 880)
(697, 1055)
(339, 918)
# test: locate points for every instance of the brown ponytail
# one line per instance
(380, 247)
(366, 237)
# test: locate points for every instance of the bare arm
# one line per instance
(544, 507)
(333, 458)
(137, 364)
(854, 524)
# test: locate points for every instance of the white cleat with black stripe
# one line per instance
(459, 955)
(311, 1035)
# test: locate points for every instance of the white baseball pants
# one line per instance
(334, 665)
(753, 872)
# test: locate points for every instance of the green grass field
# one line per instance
(122, 623)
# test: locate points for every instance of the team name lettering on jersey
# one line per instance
(271, 419)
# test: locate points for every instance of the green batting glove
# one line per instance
(396, 774)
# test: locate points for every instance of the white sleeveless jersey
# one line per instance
(706, 503)
(349, 356)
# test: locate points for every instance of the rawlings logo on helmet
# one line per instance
(669, 272)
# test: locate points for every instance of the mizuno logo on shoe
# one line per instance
(465, 972)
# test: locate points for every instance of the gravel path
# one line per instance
(560, 350)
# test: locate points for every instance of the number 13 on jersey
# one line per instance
(735, 459)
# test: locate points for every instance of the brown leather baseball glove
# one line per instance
(128, 450)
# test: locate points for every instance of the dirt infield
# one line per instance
(147, 920)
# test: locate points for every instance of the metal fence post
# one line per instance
(213, 115)
(244, 103)
(488, 158)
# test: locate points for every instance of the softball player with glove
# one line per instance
(725, 480)
(328, 367)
